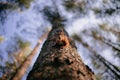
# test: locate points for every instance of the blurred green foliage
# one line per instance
(5, 6)
(22, 44)
(98, 77)
(73, 5)
(11, 66)
(110, 11)
(25, 3)
(104, 27)
(18, 4)
(96, 10)
(2, 39)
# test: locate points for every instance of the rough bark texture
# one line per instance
(59, 59)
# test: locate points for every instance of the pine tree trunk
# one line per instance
(24, 66)
(59, 60)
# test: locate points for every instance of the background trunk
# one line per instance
(23, 68)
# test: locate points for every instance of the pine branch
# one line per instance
(112, 44)
(110, 66)
(106, 41)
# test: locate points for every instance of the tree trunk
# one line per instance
(59, 59)
(23, 68)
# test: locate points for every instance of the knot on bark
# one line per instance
(61, 41)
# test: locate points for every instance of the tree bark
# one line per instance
(59, 59)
